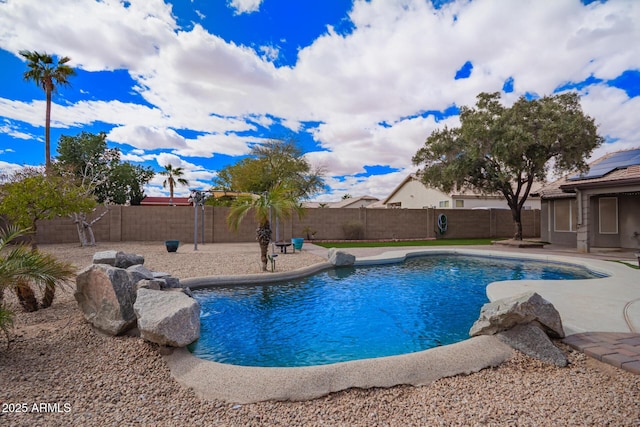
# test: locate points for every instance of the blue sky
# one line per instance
(360, 84)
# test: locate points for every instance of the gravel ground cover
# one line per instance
(59, 371)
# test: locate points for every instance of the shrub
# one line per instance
(353, 230)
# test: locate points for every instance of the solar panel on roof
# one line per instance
(620, 160)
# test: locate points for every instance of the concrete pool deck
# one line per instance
(598, 306)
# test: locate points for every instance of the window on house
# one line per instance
(443, 204)
(608, 213)
(565, 215)
(459, 203)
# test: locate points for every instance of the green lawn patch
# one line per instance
(625, 263)
(439, 242)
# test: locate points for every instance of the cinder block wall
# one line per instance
(159, 223)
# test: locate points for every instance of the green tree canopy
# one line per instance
(278, 203)
(48, 74)
(30, 196)
(498, 149)
(126, 183)
(99, 169)
(274, 163)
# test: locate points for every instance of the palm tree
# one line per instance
(279, 203)
(173, 178)
(21, 266)
(47, 74)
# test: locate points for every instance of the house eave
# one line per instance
(600, 184)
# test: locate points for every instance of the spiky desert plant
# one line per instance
(22, 266)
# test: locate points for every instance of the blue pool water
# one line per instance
(356, 313)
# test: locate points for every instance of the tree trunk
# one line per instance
(47, 133)
(49, 294)
(92, 237)
(263, 236)
(85, 229)
(26, 296)
(515, 214)
(78, 220)
(264, 249)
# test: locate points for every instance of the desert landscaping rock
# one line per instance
(118, 259)
(504, 314)
(532, 341)
(105, 295)
(154, 284)
(340, 258)
(139, 272)
(167, 318)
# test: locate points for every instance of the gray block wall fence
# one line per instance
(159, 223)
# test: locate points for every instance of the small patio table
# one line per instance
(283, 246)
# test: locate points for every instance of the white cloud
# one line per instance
(96, 35)
(10, 168)
(398, 62)
(621, 126)
(245, 6)
(269, 53)
(146, 137)
(10, 129)
(194, 174)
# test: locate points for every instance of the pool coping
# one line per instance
(599, 306)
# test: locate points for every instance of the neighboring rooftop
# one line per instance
(165, 201)
(349, 202)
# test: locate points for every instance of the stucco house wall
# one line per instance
(413, 194)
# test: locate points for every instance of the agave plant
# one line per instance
(21, 267)
(279, 203)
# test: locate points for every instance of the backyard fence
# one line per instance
(159, 223)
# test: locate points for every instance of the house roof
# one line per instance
(165, 201)
(345, 203)
(410, 177)
(619, 173)
(463, 194)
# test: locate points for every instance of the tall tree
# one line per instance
(498, 149)
(126, 183)
(278, 203)
(276, 162)
(174, 177)
(99, 169)
(86, 160)
(48, 74)
(278, 176)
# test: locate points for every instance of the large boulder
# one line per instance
(106, 295)
(504, 314)
(139, 272)
(531, 340)
(117, 259)
(167, 318)
(340, 258)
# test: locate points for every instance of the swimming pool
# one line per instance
(356, 313)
